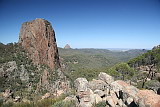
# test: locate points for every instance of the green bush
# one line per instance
(65, 104)
(100, 104)
(9, 104)
(40, 103)
(152, 84)
(1, 102)
(121, 71)
(27, 104)
(58, 104)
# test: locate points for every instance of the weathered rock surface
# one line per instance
(115, 94)
(37, 37)
(85, 95)
(150, 98)
(97, 84)
(105, 77)
(47, 95)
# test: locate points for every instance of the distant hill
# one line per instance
(67, 46)
(95, 58)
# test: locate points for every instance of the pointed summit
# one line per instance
(67, 47)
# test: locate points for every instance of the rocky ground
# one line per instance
(113, 93)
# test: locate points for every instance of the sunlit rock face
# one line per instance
(37, 37)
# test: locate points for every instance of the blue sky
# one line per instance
(87, 23)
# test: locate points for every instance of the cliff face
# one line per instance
(37, 37)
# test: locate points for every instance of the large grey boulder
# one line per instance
(81, 84)
(100, 93)
(115, 94)
(110, 101)
(106, 78)
(97, 84)
(84, 95)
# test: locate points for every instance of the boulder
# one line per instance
(125, 90)
(120, 103)
(117, 88)
(114, 97)
(130, 91)
(129, 100)
(97, 84)
(110, 101)
(116, 94)
(84, 95)
(150, 98)
(106, 78)
(97, 98)
(100, 93)
(47, 95)
(81, 84)
(86, 98)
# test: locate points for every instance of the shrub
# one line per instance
(100, 104)
(58, 104)
(9, 104)
(39, 103)
(65, 104)
(1, 102)
(152, 84)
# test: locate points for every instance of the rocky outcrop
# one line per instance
(156, 47)
(114, 93)
(105, 77)
(67, 47)
(33, 65)
(37, 37)
(85, 95)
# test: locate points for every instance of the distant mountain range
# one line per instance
(96, 58)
